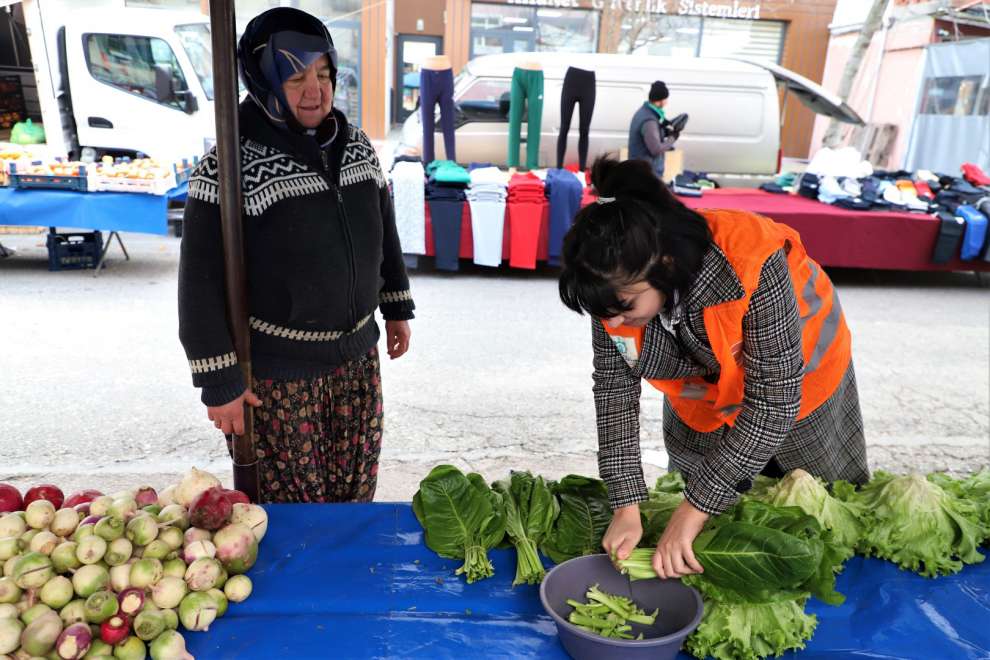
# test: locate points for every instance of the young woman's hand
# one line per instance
(229, 417)
(624, 532)
(674, 556)
(397, 335)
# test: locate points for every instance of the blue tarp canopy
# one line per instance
(357, 581)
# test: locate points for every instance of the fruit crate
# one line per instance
(56, 181)
(74, 250)
(156, 186)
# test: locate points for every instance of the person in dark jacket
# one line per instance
(321, 252)
(648, 138)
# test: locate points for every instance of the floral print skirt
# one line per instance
(318, 439)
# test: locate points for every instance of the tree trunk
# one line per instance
(853, 64)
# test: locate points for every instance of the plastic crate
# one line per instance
(74, 251)
(58, 182)
(156, 186)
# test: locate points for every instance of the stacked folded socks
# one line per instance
(526, 200)
(487, 195)
(445, 194)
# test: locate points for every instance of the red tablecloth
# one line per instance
(833, 236)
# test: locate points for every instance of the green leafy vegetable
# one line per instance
(529, 510)
(584, 517)
(461, 518)
(975, 488)
(747, 631)
(609, 615)
(919, 525)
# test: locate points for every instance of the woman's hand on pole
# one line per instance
(229, 417)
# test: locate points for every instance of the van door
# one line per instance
(810, 93)
(130, 93)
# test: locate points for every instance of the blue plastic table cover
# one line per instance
(105, 211)
(357, 581)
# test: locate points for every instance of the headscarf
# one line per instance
(275, 45)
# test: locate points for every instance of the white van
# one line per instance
(734, 109)
(122, 80)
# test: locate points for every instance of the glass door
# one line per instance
(412, 50)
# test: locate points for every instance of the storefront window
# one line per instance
(953, 95)
(661, 35)
(509, 29)
(726, 37)
(689, 36)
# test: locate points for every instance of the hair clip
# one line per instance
(605, 200)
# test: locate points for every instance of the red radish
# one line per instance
(211, 509)
(48, 492)
(145, 495)
(236, 497)
(82, 497)
(10, 499)
(115, 629)
(131, 600)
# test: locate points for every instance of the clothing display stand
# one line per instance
(526, 95)
(436, 86)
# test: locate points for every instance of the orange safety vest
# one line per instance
(748, 240)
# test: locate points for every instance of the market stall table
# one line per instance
(357, 581)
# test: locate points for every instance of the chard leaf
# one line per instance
(584, 516)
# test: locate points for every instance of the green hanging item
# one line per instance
(27, 132)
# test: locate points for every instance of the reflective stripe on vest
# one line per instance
(748, 240)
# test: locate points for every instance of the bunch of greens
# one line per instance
(608, 615)
(529, 509)
(655, 513)
(462, 518)
(975, 488)
(584, 516)
(919, 525)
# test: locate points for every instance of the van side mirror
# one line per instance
(164, 85)
(504, 104)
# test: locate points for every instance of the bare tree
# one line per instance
(853, 64)
(644, 26)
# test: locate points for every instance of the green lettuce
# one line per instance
(461, 517)
(975, 488)
(530, 510)
(748, 631)
(583, 519)
(919, 525)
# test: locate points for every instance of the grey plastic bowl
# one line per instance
(680, 610)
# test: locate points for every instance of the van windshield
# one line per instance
(196, 42)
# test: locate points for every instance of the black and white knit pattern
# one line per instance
(387, 297)
(360, 161)
(304, 335)
(215, 363)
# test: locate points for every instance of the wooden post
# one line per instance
(224, 35)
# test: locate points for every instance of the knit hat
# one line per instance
(658, 91)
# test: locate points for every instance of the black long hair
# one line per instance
(644, 234)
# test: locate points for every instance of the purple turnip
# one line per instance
(169, 646)
(115, 629)
(197, 611)
(74, 642)
(10, 499)
(194, 483)
(82, 497)
(118, 552)
(238, 588)
(100, 606)
(194, 534)
(91, 549)
(43, 542)
(57, 592)
(237, 548)
(131, 600)
(175, 515)
(252, 516)
(169, 592)
(12, 524)
(40, 635)
(109, 528)
(89, 579)
(148, 625)
(131, 648)
(64, 558)
(10, 635)
(39, 514)
(32, 570)
(142, 529)
(210, 510)
(64, 522)
(74, 612)
(146, 572)
(48, 492)
(202, 574)
(92, 520)
(171, 536)
(198, 550)
(146, 495)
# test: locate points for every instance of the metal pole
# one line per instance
(224, 34)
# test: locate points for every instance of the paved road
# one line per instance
(96, 390)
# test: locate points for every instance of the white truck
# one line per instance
(119, 80)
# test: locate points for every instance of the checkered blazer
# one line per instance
(720, 465)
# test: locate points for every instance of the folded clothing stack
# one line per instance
(691, 184)
(488, 184)
(408, 199)
(525, 188)
(447, 172)
(563, 190)
(526, 202)
(487, 196)
(445, 194)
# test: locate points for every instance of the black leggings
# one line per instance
(579, 87)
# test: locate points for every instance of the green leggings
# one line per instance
(527, 86)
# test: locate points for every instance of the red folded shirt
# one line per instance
(975, 175)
